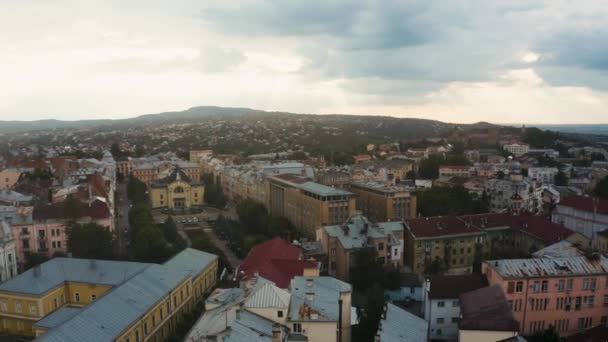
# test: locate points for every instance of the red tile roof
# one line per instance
(97, 210)
(585, 203)
(540, 228)
(277, 260)
(440, 225)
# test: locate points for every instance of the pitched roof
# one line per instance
(540, 228)
(191, 260)
(316, 298)
(268, 296)
(176, 174)
(545, 267)
(486, 309)
(402, 326)
(277, 260)
(58, 317)
(451, 286)
(585, 203)
(355, 233)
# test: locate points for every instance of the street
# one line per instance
(122, 218)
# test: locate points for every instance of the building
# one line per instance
(586, 215)
(197, 155)
(569, 293)
(453, 243)
(334, 178)
(382, 202)
(277, 260)
(340, 242)
(398, 325)
(8, 253)
(410, 289)
(392, 171)
(514, 195)
(517, 149)
(176, 191)
(67, 299)
(442, 303)
(9, 177)
(306, 204)
(455, 171)
(485, 315)
(543, 175)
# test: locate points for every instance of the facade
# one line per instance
(340, 242)
(455, 171)
(307, 205)
(382, 202)
(197, 155)
(442, 303)
(398, 325)
(334, 178)
(176, 191)
(149, 169)
(585, 215)
(392, 171)
(517, 149)
(67, 299)
(8, 253)
(9, 177)
(569, 293)
(544, 175)
(514, 195)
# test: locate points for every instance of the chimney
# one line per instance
(277, 333)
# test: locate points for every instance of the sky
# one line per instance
(456, 61)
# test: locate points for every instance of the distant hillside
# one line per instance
(376, 125)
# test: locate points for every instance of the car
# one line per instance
(195, 219)
(189, 220)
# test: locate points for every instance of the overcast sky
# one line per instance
(457, 61)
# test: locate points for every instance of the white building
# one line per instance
(517, 149)
(514, 194)
(544, 175)
(8, 259)
(442, 306)
(586, 215)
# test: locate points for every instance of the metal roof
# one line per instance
(320, 294)
(268, 296)
(191, 260)
(353, 235)
(402, 326)
(58, 317)
(249, 327)
(323, 190)
(549, 267)
(57, 271)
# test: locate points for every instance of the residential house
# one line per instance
(586, 215)
(383, 202)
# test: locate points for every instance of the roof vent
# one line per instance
(309, 282)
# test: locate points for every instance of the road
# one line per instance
(232, 259)
(122, 218)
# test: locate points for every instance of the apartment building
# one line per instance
(392, 171)
(67, 299)
(8, 253)
(570, 293)
(455, 171)
(586, 215)
(544, 175)
(517, 149)
(340, 242)
(9, 177)
(382, 202)
(306, 204)
(515, 194)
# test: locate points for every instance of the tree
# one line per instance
(136, 190)
(90, 241)
(561, 179)
(500, 175)
(433, 267)
(411, 175)
(366, 269)
(170, 233)
(455, 200)
(72, 209)
(370, 317)
(392, 278)
(601, 189)
(548, 335)
(33, 260)
(150, 245)
(253, 215)
(115, 150)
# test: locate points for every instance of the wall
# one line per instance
(484, 336)
(450, 309)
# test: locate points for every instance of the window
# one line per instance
(440, 304)
(77, 297)
(179, 190)
(153, 320)
(561, 285)
(536, 286)
(93, 297)
(455, 319)
(455, 303)
(18, 307)
(519, 287)
(33, 309)
(510, 287)
(55, 303)
(297, 328)
(145, 328)
(569, 284)
(4, 305)
(161, 313)
(280, 313)
(136, 335)
(604, 320)
(544, 287)
(440, 320)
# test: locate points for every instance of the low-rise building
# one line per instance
(543, 175)
(113, 300)
(442, 303)
(586, 215)
(382, 202)
(176, 191)
(306, 204)
(568, 293)
(517, 149)
(340, 242)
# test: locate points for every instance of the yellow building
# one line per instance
(307, 205)
(382, 202)
(68, 299)
(8, 178)
(176, 190)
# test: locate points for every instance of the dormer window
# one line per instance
(179, 190)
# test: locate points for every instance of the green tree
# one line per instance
(72, 208)
(561, 179)
(366, 269)
(33, 260)
(433, 267)
(601, 189)
(548, 335)
(90, 241)
(392, 278)
(455, 200)
(115, 150)
(253, 215)
(136, 190)
(370, 317)
(150, 245)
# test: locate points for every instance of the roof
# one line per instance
(409, 280)
(381, 187)
(109, 316)
(316, 298)
(440, 226)
(585, 203)
(13, 196)
(560, 249)
(547, 267)
(57, 271)
(97, 209)
(540, 228)
(268, 296)
(177, 174)
(402, 326)
(191, 260)
(355, 233)
(249, 327)
(305, 184)
(486, 309)
(58, 317)
(277, 260)
(451, 286)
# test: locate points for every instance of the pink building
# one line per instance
(45, 233)
(570, 293)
